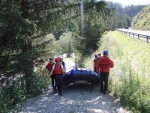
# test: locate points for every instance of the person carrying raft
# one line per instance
(58, 70)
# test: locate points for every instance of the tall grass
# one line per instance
(129, 79)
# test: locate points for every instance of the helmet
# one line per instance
(105, 52)
(96, 56)
(60, 58)
(57, 60)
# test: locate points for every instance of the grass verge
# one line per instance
(129, 79)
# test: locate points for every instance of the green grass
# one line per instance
(136, 51)
(129, 79)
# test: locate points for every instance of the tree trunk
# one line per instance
(27, 52)
(27, 66)
(24, 8)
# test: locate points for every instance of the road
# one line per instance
(137, 31)
(146, 33)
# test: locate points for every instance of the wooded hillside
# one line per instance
(122, 16)
(142, 19)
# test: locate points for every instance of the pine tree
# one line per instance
(24, 25)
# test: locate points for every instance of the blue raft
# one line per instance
(81, 74)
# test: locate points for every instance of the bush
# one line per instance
(10, 95)
(38, 84)
(15, 92)
(135, 95)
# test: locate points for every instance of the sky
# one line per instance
(131, 2)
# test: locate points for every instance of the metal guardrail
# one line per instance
(147, 37)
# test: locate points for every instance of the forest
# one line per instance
(31, 31)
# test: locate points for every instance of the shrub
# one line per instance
(15, 91)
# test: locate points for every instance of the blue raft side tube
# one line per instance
(81, 74)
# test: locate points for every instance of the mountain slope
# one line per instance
(142, 19)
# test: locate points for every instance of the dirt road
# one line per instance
(77, 98)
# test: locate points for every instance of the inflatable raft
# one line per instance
(81, 74)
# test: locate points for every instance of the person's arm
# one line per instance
(51, 71)
(94, 64)
(98, 66)
(46, 66)
(111, 63)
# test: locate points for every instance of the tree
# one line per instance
(24, 25)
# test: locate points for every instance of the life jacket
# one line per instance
(49, 66)
(58, 69)
(104, 63)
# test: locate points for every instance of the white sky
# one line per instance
(131, 2)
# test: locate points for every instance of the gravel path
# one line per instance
(76, 98)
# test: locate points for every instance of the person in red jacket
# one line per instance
(95, 63)
(104, 64)
(49, 68)
(58, 71)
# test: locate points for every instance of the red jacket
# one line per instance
(104, 64)
(49, 66)
(58, 69)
